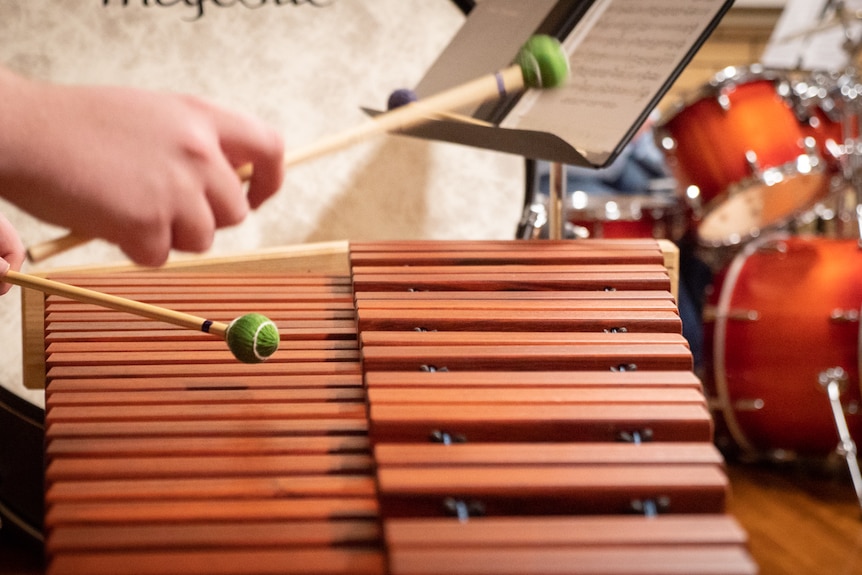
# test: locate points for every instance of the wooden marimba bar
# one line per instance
(448, 407)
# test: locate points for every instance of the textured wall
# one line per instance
(306, 67)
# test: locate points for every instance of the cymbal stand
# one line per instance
(850, 124)
(833, 381)
(852, 164)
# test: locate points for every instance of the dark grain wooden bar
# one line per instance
(543, 418)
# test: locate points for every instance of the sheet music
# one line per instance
(620, 53)
(809, 36)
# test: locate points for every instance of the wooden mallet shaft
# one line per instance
(117, 303)
(508, 81)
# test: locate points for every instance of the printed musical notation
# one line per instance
(621, 54)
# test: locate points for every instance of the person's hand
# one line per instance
(11, 251)
(148, 171)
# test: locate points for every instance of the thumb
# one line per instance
(4, 267)
(11, 251)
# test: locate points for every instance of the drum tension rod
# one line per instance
(753, 164)
(834, 380)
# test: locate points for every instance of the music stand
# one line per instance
(624, 56)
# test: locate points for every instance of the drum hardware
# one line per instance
(844, 315)
(749, 404)
(823, 220)
(532, 222)
(565, 211)
(694, 200)
(859, 222)
(709, 314)
(834, 13)
(835, 149)
(777, 246)
(577, 232)
(743, 315)
(834, 381)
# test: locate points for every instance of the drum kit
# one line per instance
(767, 166)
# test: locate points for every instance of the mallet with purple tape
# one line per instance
(252, 337)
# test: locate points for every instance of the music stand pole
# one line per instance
(556, 194)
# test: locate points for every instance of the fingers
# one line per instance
(211, 194)
(202, 200)
(247, 140)
(148, 248)
(194, 188)
(226, 194)
(4, 267)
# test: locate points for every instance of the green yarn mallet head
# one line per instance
(252, 338)
(543, 62)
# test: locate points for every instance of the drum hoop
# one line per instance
(635, 205)
(729, 77)
(720, 337)
(859, 347)
(786, 169)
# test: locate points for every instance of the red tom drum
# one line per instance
(739, 152)
(626, 216)
(783, 312)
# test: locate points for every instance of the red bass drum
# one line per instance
(783, 312)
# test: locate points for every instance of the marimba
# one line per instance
(441, 407)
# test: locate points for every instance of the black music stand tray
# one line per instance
(624, 55)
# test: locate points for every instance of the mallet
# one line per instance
(541, 63)
(252, 337)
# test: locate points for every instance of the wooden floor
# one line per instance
(802, 519)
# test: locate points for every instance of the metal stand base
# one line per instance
(833, 380)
